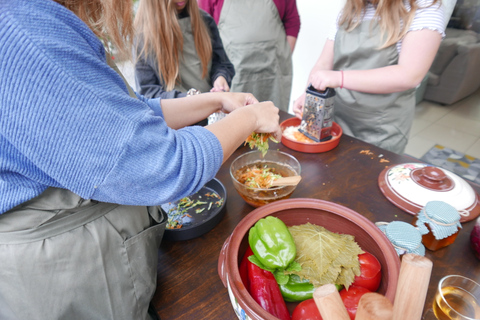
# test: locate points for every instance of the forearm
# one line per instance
(291, 41)
(381, 81)
(182, 112)
(418, 51)
(229, 133)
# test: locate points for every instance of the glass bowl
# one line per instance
(283, 163)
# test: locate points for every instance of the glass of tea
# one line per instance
(457, 298)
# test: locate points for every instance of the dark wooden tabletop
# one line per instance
(188, 284)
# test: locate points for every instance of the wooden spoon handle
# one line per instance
(415, 272)
(286, 181)
(329, 303)
(374, 306)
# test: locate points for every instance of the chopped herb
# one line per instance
(180, 210)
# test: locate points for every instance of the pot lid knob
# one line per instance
(434, 173)
(432, 178)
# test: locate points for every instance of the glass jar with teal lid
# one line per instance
(439, 224)
(404, 237)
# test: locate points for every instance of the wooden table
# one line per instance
(188, 285)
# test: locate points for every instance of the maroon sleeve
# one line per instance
(212, 7)
(287, 9)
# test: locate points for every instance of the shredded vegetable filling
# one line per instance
(260, 177)
(260, 141)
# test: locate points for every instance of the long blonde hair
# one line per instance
(110, 20)
(156, 22)
(394, 20)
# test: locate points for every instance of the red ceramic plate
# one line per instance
(311, 147)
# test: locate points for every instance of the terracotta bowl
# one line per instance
(333, 217)
(311, 147)
(285, 164)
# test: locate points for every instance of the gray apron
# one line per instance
(380, 119)
(255, 41)
(64, 257)
(190, 65)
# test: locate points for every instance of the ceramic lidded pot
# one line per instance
(410, 186)
(333, 217)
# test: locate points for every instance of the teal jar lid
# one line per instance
(404, 237)
(442, 219)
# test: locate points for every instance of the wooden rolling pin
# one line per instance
(329, 303)
(412, 287)
(374, 306)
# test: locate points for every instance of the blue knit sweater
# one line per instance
(67, 121)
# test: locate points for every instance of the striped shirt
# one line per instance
(426, 17)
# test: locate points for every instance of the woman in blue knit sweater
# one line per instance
(84, 162)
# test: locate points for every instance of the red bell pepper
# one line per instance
(263, 287)
(243, 268)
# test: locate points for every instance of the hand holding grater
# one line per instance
(317, 114)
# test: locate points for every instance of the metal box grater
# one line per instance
(317, 114)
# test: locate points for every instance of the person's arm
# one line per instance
(182, 112)
(242, 108)
(291, 41)
(262, 118)
(212, 7)
(291, 21)
(416, 56)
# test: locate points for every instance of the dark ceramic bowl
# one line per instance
(333, 217)
(197, 224)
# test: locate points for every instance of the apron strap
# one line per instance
(80, 217)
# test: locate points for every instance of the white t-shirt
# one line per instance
(426, 17)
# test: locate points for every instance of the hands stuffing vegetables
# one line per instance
(286, 264)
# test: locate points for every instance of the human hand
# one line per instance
(323, 79)
(234, 100)
(268, 119)
(220, 85)
(298, 106)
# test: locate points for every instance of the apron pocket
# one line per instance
(142, 253)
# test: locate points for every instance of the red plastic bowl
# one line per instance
(311, 147)
(333, 217)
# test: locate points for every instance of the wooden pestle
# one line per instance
(374, 306)
(329, 303)
(412, 287)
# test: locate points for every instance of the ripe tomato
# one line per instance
(306, 310)
(370, 270)
(351, 297)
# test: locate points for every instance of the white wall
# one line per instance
(317, 20)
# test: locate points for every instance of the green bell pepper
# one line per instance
(296, 289)
(272, 243)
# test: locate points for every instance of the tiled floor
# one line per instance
(456, 126)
